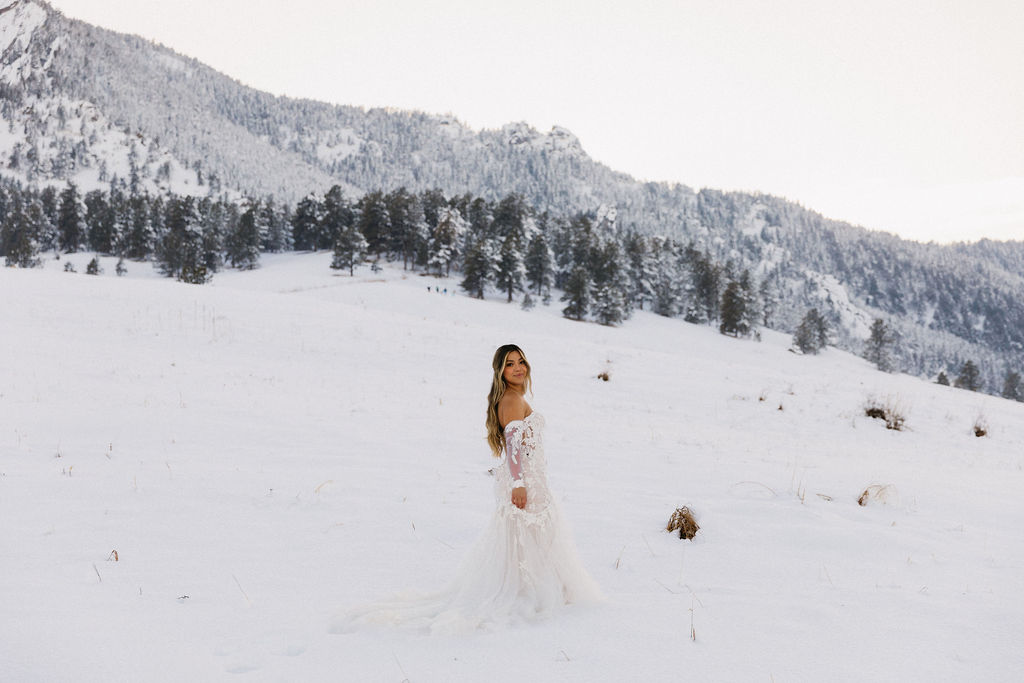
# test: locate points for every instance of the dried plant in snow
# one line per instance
(878, 493)
(682, 519)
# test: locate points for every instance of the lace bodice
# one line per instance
(524, 447)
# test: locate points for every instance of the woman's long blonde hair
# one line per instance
(495, 435)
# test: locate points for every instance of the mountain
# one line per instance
(86, 104)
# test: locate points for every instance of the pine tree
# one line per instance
(336, 216)
(878, 347)
(140, 239)
(349, 249)
(120, 215)
(942, 379)
(17, 241)
(70, 226)
(509, 273)
(610, 282)
(213, 228)
(769, 301)
(734, 311)
(1012, 388)
(666, 297)
(408, 229)
(99, 221)
(47, 236)
(540, 266)
(969, 377)
(180, 253)
(751, 305)
(577, 294)
(812, 334)
(446, 240)
(478, 267)
(242, 245)
(374, 223)
(306, 224)
(641, 272)
(609, 304)
(512, 228)
(706, 279)
(276, 234)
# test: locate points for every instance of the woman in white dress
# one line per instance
(524, 566)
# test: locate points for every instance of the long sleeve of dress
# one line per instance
(515, 451)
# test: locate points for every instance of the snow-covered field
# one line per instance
(265, 451)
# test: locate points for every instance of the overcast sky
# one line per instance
(900, 115)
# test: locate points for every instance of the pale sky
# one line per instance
(899, 115)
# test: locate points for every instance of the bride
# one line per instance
(524, 566)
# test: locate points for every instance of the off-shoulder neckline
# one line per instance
(511, 422)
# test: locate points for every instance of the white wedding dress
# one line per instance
(524, 566)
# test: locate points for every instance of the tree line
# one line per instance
(600, 271)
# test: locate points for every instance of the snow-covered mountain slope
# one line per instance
(195, 479)
(85, 104)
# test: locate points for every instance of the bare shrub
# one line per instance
(682, 519)
(980, 426)
(891, 411)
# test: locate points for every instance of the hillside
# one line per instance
(267, 450)
(88, 105)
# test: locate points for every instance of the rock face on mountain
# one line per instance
(85, 104)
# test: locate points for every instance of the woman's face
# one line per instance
(516, 371)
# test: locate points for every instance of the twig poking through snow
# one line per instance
(241, 589)
(648, 545)
(405, 676)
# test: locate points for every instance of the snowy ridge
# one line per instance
(18, 21)
(75, 142)
(832, 296)
(215, 472)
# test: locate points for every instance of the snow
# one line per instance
(106, 145)
(344, 142)
(559, 139)
(173, 62)
(267, 450)
(834, 297)
(18, 21)
(754, 223)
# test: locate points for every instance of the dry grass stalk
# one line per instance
(682, 519)
(877, 492)
(693, 632)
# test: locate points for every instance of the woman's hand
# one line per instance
(519, 497)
